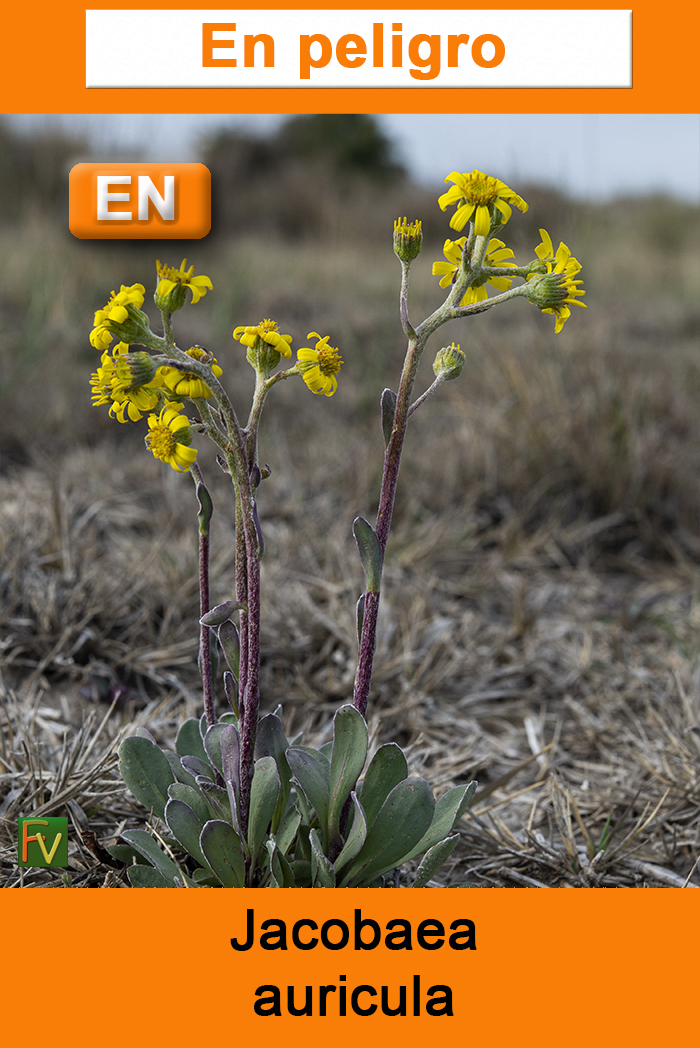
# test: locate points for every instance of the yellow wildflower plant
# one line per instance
(186, 383)
(496, 255)
(475, 194)
(173, 284)
(554, 291)
(267, 331)
(319, 366)
(169, 438)
(115, 318)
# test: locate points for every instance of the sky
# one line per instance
(590, 156)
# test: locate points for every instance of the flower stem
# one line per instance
(205, 667)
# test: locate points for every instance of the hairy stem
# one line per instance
(205, 667)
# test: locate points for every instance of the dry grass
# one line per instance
(541, 618)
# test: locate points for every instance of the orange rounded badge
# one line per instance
(139, 201)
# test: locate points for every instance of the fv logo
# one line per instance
(42, 842)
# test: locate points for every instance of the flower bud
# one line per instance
(408, 239)
(134, 370)
(449, 362)
(547, 290)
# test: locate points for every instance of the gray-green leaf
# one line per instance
(145, 770)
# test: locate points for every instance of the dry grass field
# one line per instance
(540, 629)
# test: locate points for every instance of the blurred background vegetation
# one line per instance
(599, 421)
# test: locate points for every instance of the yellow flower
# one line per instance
(556, 290)
(496, 253)
(478, 192)
(128, 382)
(267, 331)
(116, 314)
(169, 438)
(319, 366)
(186, 383)
(172, 283)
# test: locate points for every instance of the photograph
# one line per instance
(354, 539)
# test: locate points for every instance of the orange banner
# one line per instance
(496, 967)
(44, 69)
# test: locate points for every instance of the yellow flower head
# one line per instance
(556, 290)
(476, 194)
(186, 383)
(128, 382)
(169, 437)
(173, 283)
(118, 316)
(408, 239)
(319, 366)
(496, 253)
(266, 331)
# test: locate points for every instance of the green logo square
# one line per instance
(42, 842)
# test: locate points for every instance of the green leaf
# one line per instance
(355, 838)
(145, 770)
(433, 860)
(217, 799)
(230, 755)
(388, 408)
(192, 796)
(212, 744)
(446, 814)
(322, 872)
(403, 820)
(218, 615)
(370, 552)
(186, 827)
(206, 508)
(197, 767)
(312, 772)
(146, 877)
(231, 646)
(387, 769)
(301, 870)
(280, 870)
(287, 829)
(146, 845)
(123, 853)
(189, 740)
(270, 741)
(348, 756)
(180, 774)
(264, 792)
(222, 848)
